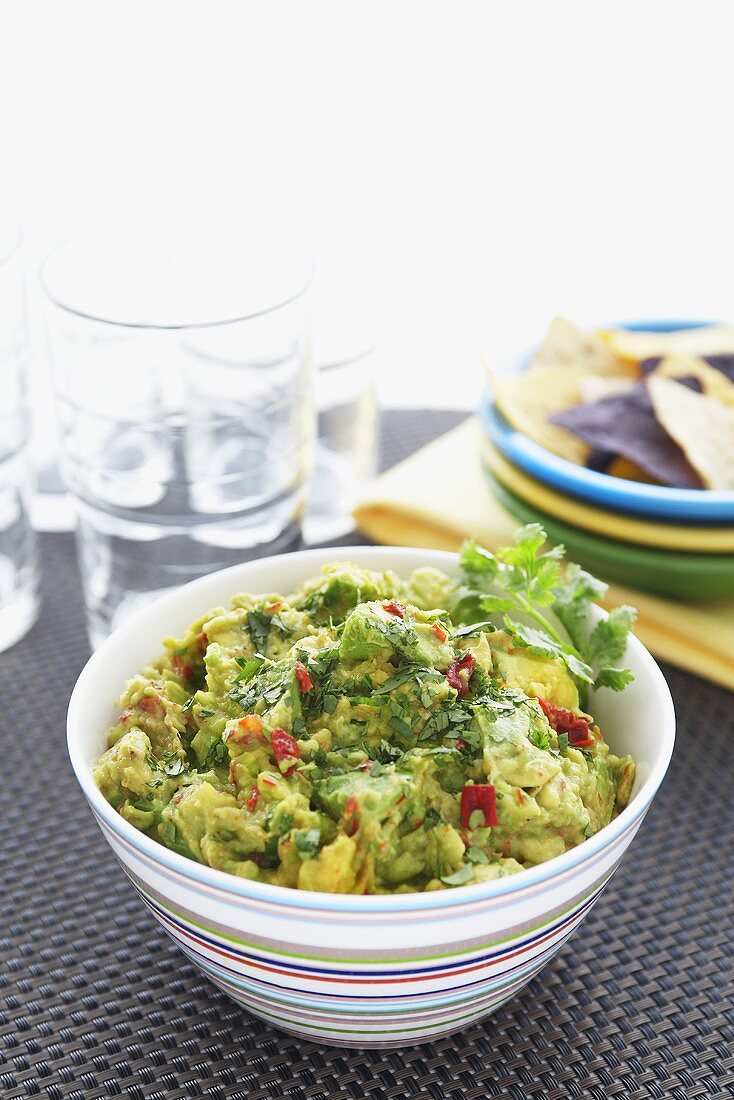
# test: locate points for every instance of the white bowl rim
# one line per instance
(348, 903)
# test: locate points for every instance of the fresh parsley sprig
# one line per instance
(528, 580)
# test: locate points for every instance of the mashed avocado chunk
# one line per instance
(365, 735)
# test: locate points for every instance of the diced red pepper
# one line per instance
(395, 609)
(180, 667)
(253, 800)
(479, 796)
(203, 642)
(248, 731)
(351, 816)
(305, 683)
(565, 721)
(152, 703)
(440, 634)
(459, 672)
(285, 748)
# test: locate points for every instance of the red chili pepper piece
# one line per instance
(180, 667)
(305, 683)
(395, 609)
(351, 816)
(152, 703)
(440, 634)
(479, 796)
(565, 721)
(284, 747)
(248, 731)
(253, 800)
(460, 671)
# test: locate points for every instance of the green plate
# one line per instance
(666, 572)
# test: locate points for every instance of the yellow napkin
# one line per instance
(439, 496)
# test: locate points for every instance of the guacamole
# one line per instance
(360, 737)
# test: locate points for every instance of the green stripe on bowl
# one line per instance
(666, 572)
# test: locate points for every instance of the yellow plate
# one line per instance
(670, 536)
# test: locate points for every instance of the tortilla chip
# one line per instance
(633, 347)
(701, 425)
(713, 370)
(713, 382)
(593, 387)
(566, 345)
(625, 425)
(526, 401)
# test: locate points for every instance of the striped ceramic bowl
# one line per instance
(352, 970)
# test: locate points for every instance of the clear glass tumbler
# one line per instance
(184, 394)
(19, 601)
(346, 442)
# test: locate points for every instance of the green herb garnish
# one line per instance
(461, 877)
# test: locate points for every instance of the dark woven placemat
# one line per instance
(95, 1001)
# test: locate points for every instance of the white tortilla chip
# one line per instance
(594, 387)
(631, 347)
(566, 345)
(701, 426)
(713, 382)
(526, 400)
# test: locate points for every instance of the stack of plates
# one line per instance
(676, 542)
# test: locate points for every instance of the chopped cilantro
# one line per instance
(400, 726)
(459, 878)
(174, 767)
(248, 668)
(307, 843)
(282, 824)
(472, 629)
(217, 754)
(407, 672)
(540, 738)
(258, 623)
(476, 855)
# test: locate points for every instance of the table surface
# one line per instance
(96, 1001)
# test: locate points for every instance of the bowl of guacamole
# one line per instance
(325, 757)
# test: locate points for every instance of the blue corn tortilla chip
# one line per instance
(625, 425)
(600, 460)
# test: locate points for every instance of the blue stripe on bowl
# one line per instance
(370, 971)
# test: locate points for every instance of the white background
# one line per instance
(467, 169)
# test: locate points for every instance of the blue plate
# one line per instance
(616, 493)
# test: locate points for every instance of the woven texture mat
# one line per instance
(95, 1001)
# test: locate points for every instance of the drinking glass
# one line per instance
(346, 441)
(19, 601)
(184, 396)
